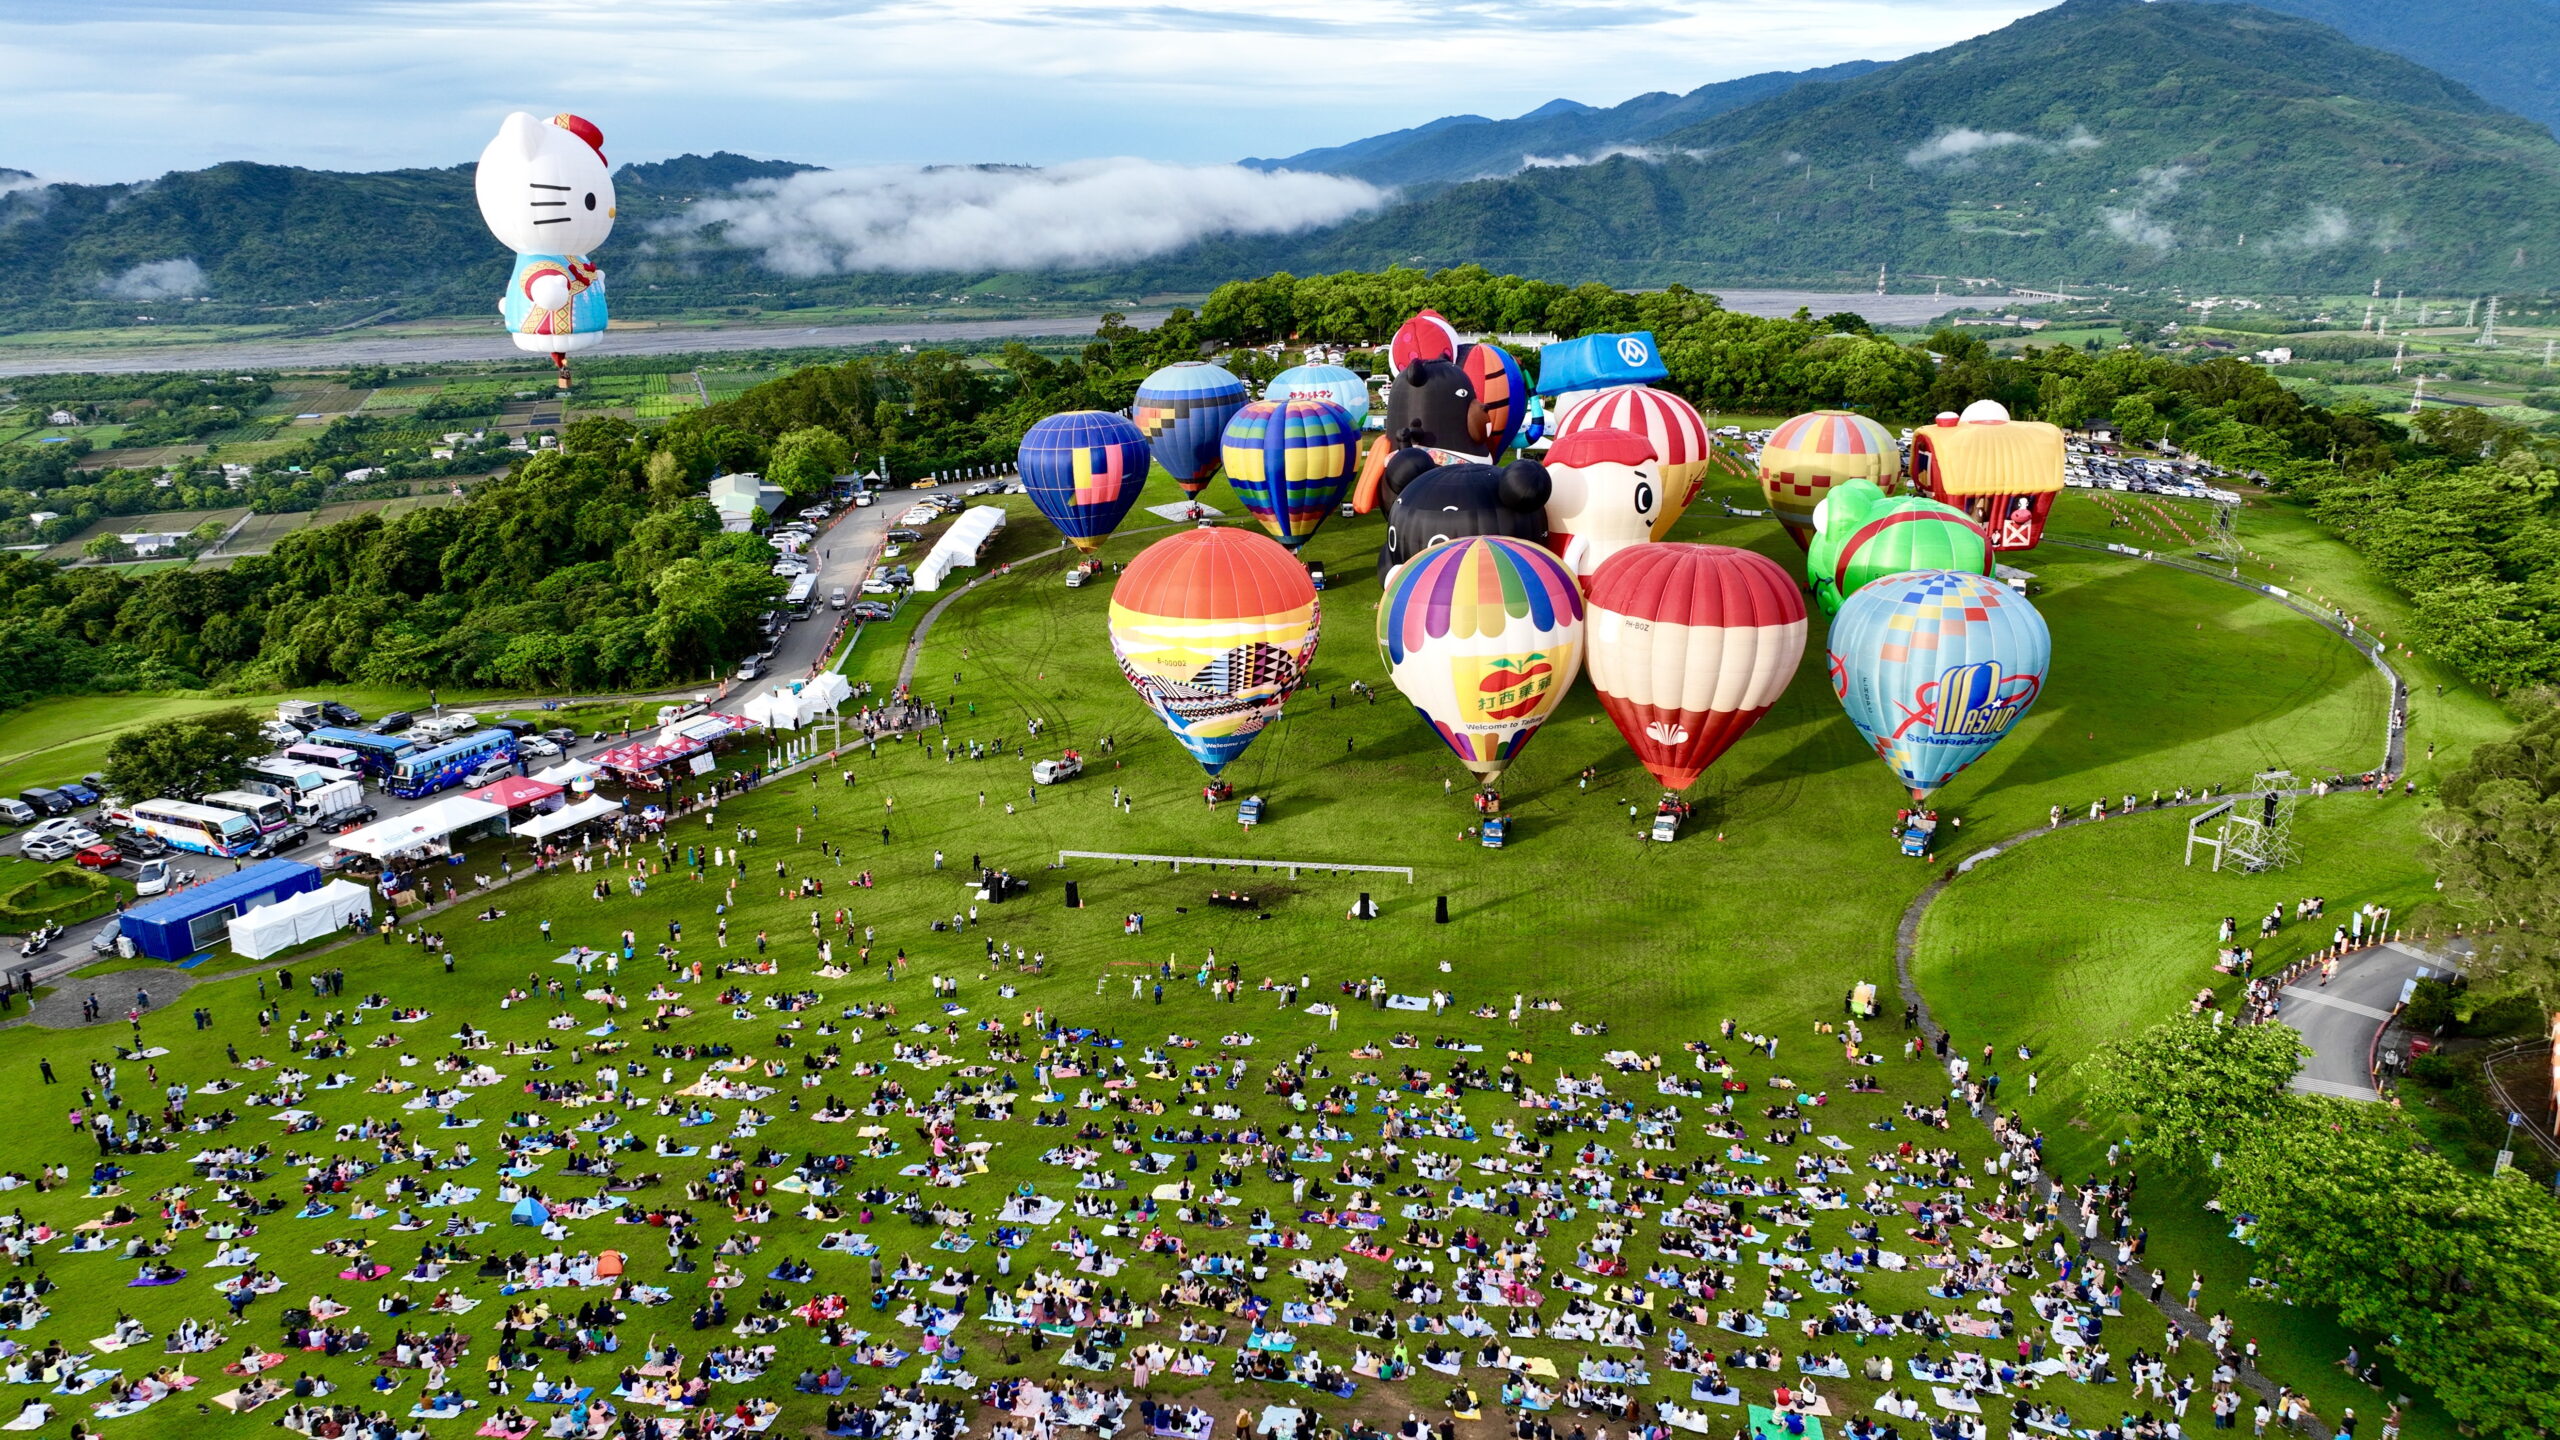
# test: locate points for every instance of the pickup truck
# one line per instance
(1050, 772)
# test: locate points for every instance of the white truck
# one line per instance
(327, 806)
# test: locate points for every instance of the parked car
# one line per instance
(97, 856)
(149, 878)
(18, 812)
(51, 802)
(991, 487)
(892, 552)
(864, 501)
(903, 536)
(52, 828)
(337, 714)
(139, 845)
(394, 723)
(104, 942)
(461, 721)
(562, 734)
(871, 610)
(80, 794)
(751, 669)
(536, 745)
(517, 728)
(490, 771)
(878, 586)
(48, 847)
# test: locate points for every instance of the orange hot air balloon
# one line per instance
(1689, 646)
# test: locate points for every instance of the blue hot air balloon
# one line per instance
(1323, 382)
(1084, 469)
(1290, 461)
(1182, 409)
(1934, 667)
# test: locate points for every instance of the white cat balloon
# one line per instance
(547, 194)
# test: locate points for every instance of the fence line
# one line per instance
(1292, 866)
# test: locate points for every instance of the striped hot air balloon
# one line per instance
(1809, 454)
(1934, 667)
(1290, 461)
(1214, 628)
(1323, 382)
(1860, 535)
(1690, 645)
(1678, 433)
(1084, 469)
(1182, 409)
(1426, 336)
(1502, 388)
(1483, 634)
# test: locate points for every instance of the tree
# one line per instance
(184, 757)
(2194, 1084)
(107, 547)
(2451, 1268)
(2497, 842)
(805, 460)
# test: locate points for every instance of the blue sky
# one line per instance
(124, 89)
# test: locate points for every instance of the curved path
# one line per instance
(2138, 1278)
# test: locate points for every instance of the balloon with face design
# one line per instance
(1607, 494)
(1437, 500)
(547, 194)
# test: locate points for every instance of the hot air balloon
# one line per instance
(1859, 535)
(1606, 489)
(547, 194)
(1501, 388)
(1691, 644)
(1289, 461)
(1323, 382)
(2002, 472)
(1214, 629)
(1426, 336)
(1182, 409)
(1934, 666)
(1483, 635)
(1809, 454)
(1084, 469)
(1678, 434)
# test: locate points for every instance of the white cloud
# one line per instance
(1954, 148)
(2134, 224)
(2324, 226)
(1606, 152)
(156, 280)
(1080, 215)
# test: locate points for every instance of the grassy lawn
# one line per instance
(33, 893)
(1782, 896)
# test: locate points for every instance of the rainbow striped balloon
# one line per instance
(1809, 454)
(1290, 461)
(1484, 636)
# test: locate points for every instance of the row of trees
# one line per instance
(2447, 1270)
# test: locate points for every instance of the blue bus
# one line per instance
(428, 771)
(377, 755)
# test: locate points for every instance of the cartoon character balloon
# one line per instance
(1859, 535)
(1809, 454)
(1084, 469)
(547, 194)
(1289, 461)
(1679, 435)
(1214, 628)
(1690, 646)
(1934, 667)
(2004, 473)
(1607, 493)
(1483, 635)
(1182, 409)
(1323, 382)
(1468, 400)
(1434, 500)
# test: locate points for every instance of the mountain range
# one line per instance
(2182, 142)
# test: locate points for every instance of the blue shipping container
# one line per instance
(173, 927)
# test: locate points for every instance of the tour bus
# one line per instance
(445, 766)
(334, 757)
(271, 815)
(802, 601)
(200, 828)
(375, 754)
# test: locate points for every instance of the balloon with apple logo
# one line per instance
(1484, 635)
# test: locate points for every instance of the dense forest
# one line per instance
(600, 567)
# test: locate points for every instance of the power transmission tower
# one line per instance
(2399, 356)
(2377, 287)
(2418, 394)
(2489, 327)
(2367, 322)
(2546, 353)
(2396, 297)
(2471, 316)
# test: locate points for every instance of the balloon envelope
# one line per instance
(1290, 461)
(1502, 387)
(1934, 667)
(1860, 535)
(1809, 454)
(1084, 469)
(1214, 628)
(1690, 645)
(1182, 409)
(1678, 433)
(1483, 635)
(1323, 382)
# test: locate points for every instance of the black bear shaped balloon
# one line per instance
(1431, 501)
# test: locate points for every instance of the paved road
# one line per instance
(374, 347)
(2339, 1020)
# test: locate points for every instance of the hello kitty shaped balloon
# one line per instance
(547, 194)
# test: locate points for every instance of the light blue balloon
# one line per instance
(1934, 667)
(1322, 382)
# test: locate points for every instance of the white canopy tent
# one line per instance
(568, 773)
(299, 919)
(426, 826)
(959, 545)
(542, 826)
(788, 707)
